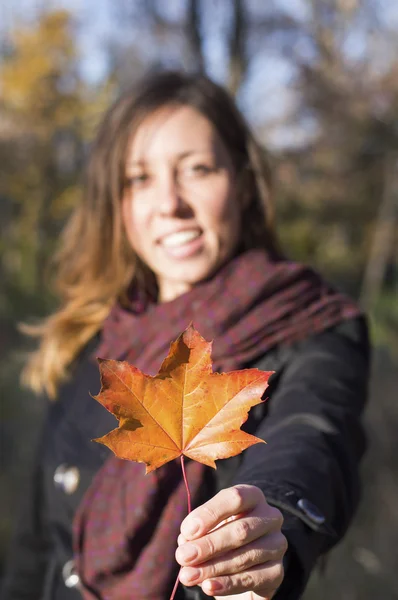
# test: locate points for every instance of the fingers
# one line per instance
(263, 580)
(233, 544)
(269, 549)
(231, 535)
(227, 503)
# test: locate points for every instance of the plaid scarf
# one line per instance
(126, 528)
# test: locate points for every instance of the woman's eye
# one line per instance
(137, 180)
(201, 169)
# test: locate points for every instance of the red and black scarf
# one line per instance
(126, 528)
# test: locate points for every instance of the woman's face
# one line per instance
(180, 207)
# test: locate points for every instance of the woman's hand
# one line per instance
(233, 545)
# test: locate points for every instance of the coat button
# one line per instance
(67, 478)
(71, 578)
(311, 511)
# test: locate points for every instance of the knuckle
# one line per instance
(210, 546)
(284, 544)
(228, 582)
(212, 570)
(236, 498)
(277, 516)
(247, 580)
(211, 514)
(258, 493)
(242, 529)
(241, 561)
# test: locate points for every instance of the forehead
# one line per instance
(171, 131)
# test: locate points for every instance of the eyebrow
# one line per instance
(180, 156)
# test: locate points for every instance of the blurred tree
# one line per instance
(47, 113)
(183, 36)
(42, 103)
(339, 199)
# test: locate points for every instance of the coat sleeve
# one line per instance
(28, 555)
(309, 466)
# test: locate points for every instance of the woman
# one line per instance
(176, 226)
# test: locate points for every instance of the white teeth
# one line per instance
(180, 238)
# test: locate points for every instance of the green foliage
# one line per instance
(384, 322)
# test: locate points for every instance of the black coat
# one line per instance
(308, 468)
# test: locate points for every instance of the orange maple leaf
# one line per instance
(185, 409)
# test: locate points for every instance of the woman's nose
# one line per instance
(170, 198)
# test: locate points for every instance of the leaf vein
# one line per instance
(143, 405)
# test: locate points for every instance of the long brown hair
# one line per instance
(95, 264)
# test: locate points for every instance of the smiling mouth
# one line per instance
(182, 245)
(180, 238)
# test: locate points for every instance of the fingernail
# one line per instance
(213, 586)
(190, 574)
(191, 528)
(188, 552)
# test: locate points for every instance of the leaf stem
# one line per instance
(186, 483)
(189, 510)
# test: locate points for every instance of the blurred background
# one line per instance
(318, 82)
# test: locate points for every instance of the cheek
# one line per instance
(132, 219)
(216, 203)
(228, 213)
